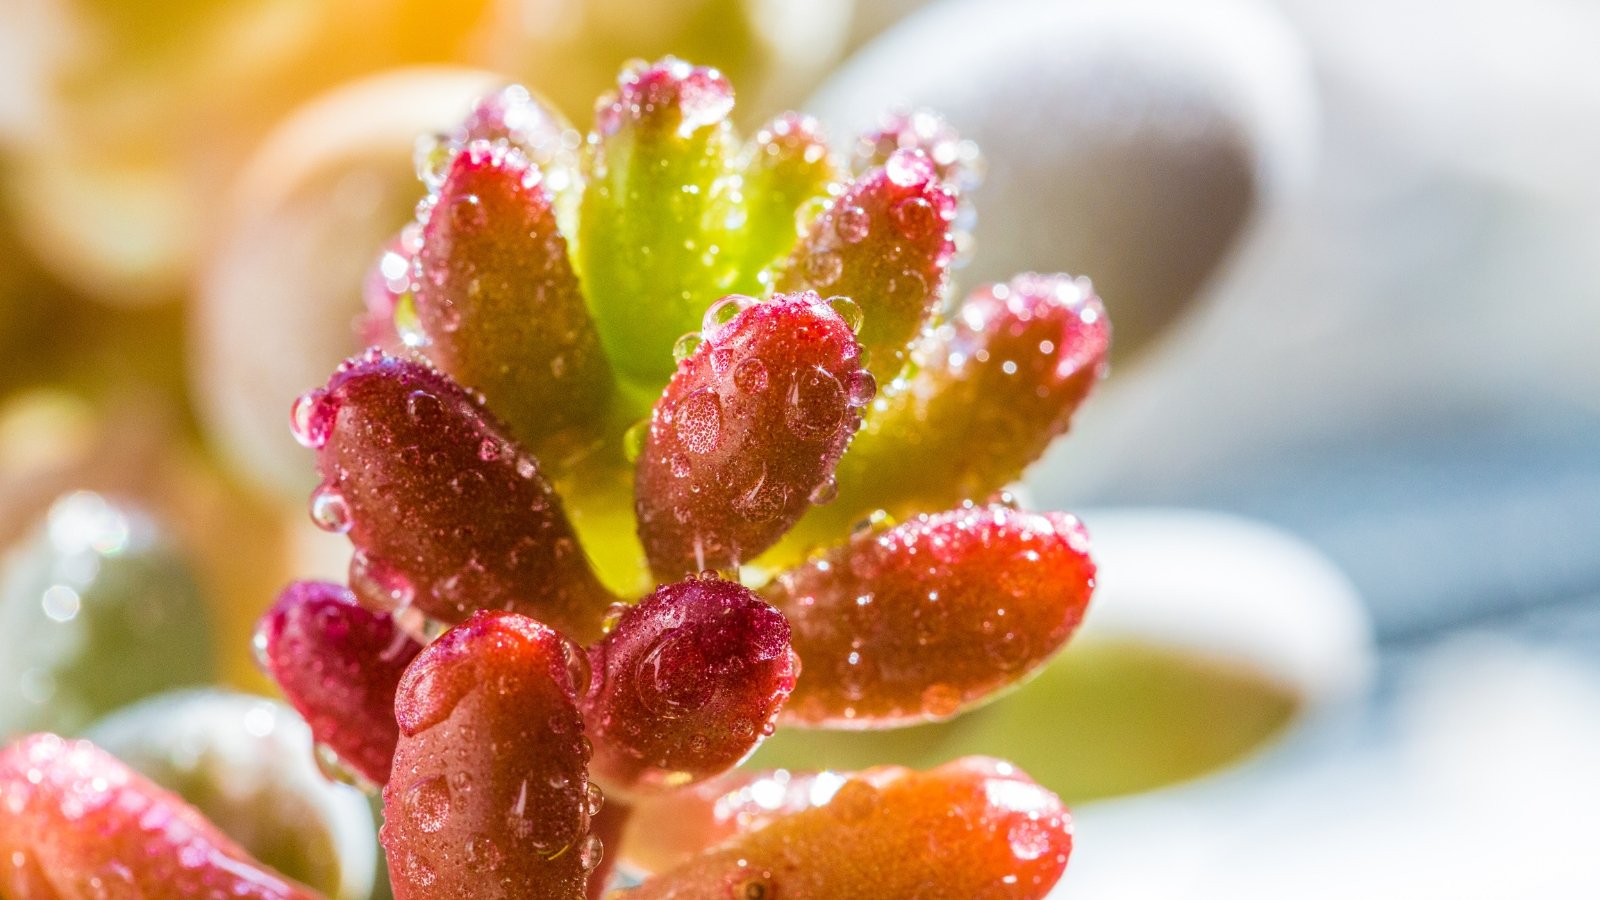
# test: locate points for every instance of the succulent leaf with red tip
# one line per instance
(991, 389)
(918, 622)
(338, 663)
(595, 303)
(658, 226)
(76, 823)
(750, 427)
(685, 685)
(489, 796)
(499, 304)
(971, 828)
(445, 510)
(885, 243)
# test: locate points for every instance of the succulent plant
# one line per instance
(718, 375)
(87, 602)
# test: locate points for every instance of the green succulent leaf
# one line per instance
(659, 224)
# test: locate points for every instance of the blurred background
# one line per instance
(1345, 477)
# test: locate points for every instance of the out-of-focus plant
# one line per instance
(124, 120)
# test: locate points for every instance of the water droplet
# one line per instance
(854, 802)
(940, 701)
(423, 405)
(722, 312)
(377, 583)
(824, 268)
(423, 211)
(816, 405)
(916, 217)
(526, 467)
(808, 213)
(908, 168)
(417, 624)
(428, 804)
(861, 389)
(467, 212)
(670, 681)
(335, 769)
(259, 641)
(750, 376)
(329, 509)
(577, 666)
(613, 616)
(310, 422)
(697, 420)
(685, 346)
(633, 440)
(432, 157)
(910, 285)
(849, 311)
(590, 852)
(852, 224)
(593, 799)
(826, 492)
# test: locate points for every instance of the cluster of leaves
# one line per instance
(559, 411)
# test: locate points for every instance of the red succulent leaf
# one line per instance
(886, 244)
(747, 432)
(500, 304)
(75, 823)
(338, 664)
(992, 388)
(973, 828)
(686, 684)
(489, 796)
(445, 511)
(920, 621)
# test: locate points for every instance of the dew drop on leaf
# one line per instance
(849, 311)
(329, 510)
(634, 438)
